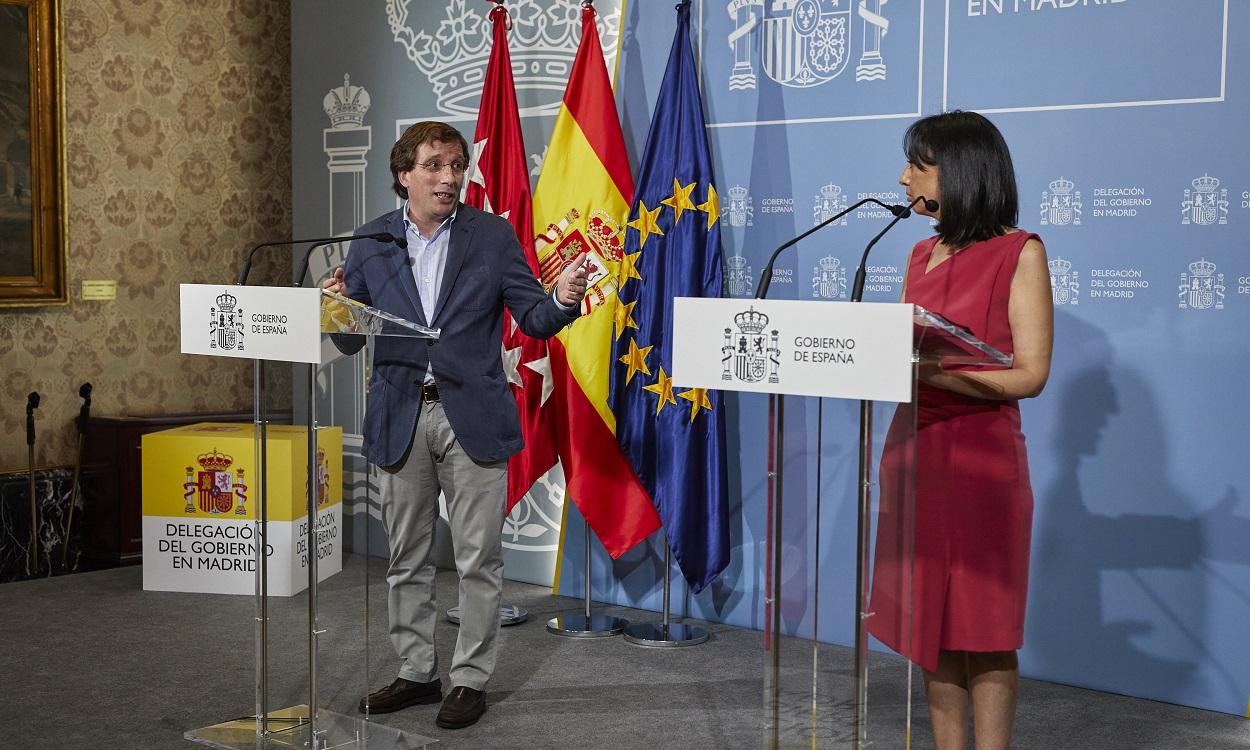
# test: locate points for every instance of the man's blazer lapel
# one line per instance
(401, 270)
(457, 250)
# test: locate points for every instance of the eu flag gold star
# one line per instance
(646, 223)
(698, 400)
(680, 199)
(663, 387)
(623, 317)
(636, 360)
(711, 207)
(628, 268)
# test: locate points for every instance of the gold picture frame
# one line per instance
(32, 156)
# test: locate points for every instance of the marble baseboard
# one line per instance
(52, 498)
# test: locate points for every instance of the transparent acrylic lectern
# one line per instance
(323, 659)
(817, 696)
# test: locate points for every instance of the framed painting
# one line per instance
(32, 190)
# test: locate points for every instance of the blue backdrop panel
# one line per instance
(1034, 53)
(1126, 121)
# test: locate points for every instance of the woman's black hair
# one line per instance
(975, 176)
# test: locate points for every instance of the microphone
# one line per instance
(32, 403)
(904, 212)
(401, 242)
(84, 413)
(766, 276)
(246, 268)
(857, 291)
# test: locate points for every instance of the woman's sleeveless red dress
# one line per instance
(973, 502)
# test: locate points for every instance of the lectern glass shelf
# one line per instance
(817, 695)
(326, 647)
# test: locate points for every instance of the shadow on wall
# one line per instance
(1122, 598)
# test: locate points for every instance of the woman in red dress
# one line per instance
(973, 502)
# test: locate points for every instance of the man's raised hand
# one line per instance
(571, 286)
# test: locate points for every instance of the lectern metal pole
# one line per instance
(863, 534)
(361, 364)
(310, 544)
(260, 418)
(772, 572)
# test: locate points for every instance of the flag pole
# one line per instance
(585, 624)
(665, 634)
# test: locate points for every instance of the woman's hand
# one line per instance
(1030, 313)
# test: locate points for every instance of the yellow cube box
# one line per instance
(201, 505)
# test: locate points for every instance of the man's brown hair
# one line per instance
(404, 152)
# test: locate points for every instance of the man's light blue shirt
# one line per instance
(427, 256)
(428, 259)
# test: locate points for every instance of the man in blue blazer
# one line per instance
(440, 416)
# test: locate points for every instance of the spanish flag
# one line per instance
(581, 205)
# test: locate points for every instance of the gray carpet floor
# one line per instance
(93, 661)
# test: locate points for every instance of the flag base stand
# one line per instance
(509, 614)
(665, 634)
(659, 635)
(580, 625)
(584, 624)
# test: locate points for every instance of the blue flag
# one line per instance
(674, 437)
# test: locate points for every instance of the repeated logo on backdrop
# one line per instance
(1205, 202)
(1061, 204)
(829, 201)
(1201, 287)
(738, 278)
(1065, 286)
(736, 209)
(829, 279)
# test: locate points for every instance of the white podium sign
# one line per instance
(848, 350)
(251, 322)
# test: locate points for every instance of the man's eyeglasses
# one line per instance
(434, 167)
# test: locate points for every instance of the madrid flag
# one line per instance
(499, 183)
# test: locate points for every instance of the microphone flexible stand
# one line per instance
(32, 403)
(766, 276)
(84, 414)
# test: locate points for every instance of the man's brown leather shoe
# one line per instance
(401, 694)
(462, 707)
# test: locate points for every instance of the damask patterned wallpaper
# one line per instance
(178, 158)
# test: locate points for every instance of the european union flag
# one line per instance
(675, 438)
